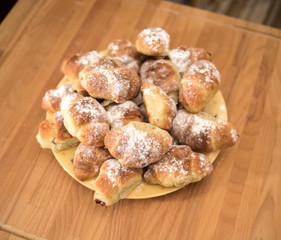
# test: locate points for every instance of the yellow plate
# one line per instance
(215, 107)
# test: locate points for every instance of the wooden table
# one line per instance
(241, 199)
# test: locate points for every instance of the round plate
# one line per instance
(216, 107)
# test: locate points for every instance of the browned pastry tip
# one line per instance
(115, 182)
(202, 132)
(199, 85)
(153, 42)
(178, 167)
(88, 160)
(117, 84)
(138, 144)
(122, 47)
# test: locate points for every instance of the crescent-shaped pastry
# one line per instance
(202, 132)
(52, 134)
(122, 114)
(153, 42)
(160, 108)
(184, 56)
(85, 119)
(138, 144)
(115, 182)
(117, 84)
(178, 167)
(88, 160)
(199, 85)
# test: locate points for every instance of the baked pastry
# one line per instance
(52, 98)
(117, 84)
(103, 62)
(52, 134)
(203, 132)
(115, 182)
(153, 42)
(160, 108)
(73, 65)
(199, 85)
(162, 73)
(85, 119)
(184, 56)
(178, 167)
(122, 114)
(88, 160)
(138, 144)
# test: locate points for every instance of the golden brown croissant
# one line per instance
(202, 132)
(52, 134)
(153, 42)
(117, 84)
(138, 144)
(85, 119)
(115, 182)
(88, 160)
(184, 56)
(160, 108)
(199, 85)
(73, 65)
(122, 114)
(178, 167)
(52, 98)
(162, 73)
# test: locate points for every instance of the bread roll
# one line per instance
(160, 108)
(178, 167)
(115, 182)
(88, 160)
(199, 85)
(153, 42)
(202, 132)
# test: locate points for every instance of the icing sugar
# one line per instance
(89, 58)
(181, 58)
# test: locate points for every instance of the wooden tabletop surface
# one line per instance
(241, 199)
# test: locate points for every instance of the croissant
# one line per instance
(85, 119)
(161, 109)
(161, 73)
(178, 167)
(102, 62)
(117, 84)
(73, 65)
(88, 160)
(115, 182)
(52, 98)
(153, 42)
(122, 114)
(52, 134)
(199, 85)
(184, 56)
(138, 144)
(202, 132)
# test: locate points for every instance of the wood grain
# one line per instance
(240, 200)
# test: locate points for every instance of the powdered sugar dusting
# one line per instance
(89, 58)
(181, 57)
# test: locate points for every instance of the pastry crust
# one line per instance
(72, 66)
(52, 134)
(117, 84)
(162, 73)
(199, 85)
(183, 56)
(153, 42)
(52, 98)
(178, 167)
(124, 113)
(202, 132)
(160, 108)
(138, 144)
(88, 160)
(115, 182)
(86, 119)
